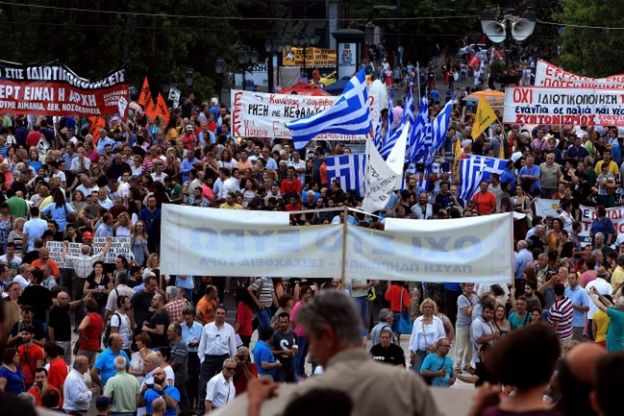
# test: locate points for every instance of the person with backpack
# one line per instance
(120, 323)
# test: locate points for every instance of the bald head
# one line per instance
(582, 360)
(81, 364)
(152, 361)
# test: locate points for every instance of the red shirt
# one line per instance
(240, 381)
(244, 317)
(57, 373)
(188, 141)
(29, 356)
(393, 295)
(36, 393)
(486, 202)
(90, 336)
(291, 187)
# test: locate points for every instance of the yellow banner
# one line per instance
(484, 117)
(315, 57)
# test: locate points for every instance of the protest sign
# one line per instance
(561, 106)
(118, 246)
(256, 114)
(54, 89)
(314, 57)
(549, 75)
(202, 240)
(550, 208)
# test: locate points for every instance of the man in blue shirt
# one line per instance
(522, 259)
(187, 165)
(160, 388)
(438, 367)
(530, 176)
(191, 334)
(105, 363)
(580, 305)
(263, 355)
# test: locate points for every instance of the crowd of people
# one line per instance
(125, 338)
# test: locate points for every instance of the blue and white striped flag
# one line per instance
(348, 170)
(476, 169)
(417, 137)
(349, 115)
(408, 115)
(439, 127)
(379, 139)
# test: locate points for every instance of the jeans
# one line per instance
(264, 318)
(189, 295)
(302, 343)
(362, 303)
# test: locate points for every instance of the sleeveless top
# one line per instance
(90, 337)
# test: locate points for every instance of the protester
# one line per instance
(122, 389)
(386, 351)
(220, 389)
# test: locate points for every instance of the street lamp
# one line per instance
(246, 59)
(189, 78)
(271, 47)
(305, 41)
(219, 70)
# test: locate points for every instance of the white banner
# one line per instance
(460, 250)
(476, 249)
(218, 242)
(561, 106)
(550, 208)
(549, 75)
(257, 114)
(118, 246)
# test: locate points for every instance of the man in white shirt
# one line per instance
(23, 279)
(230, 184)
(121, 289)
(217, 343)
(159, 174)
(299, 165)
(220, 389)
(10, 259)
(76, 394)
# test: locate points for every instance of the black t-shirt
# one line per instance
(39, 334)
(393, 355)
(39, 298)
(282, 341)
(141, 303)
(99, 297)
(160, 318)
(60, 322)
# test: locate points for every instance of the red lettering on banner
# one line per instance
(236, 117)
(522, 95)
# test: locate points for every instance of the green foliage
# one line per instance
(592, 52)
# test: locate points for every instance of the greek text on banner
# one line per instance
(463, 250)
(561, 106)
(256, 114)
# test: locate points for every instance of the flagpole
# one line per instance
(418, 79)
(343, 266)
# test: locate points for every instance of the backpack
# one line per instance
(107, 332)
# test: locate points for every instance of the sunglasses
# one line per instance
(230, 368)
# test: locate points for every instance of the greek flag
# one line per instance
(349, 115)
(439, 127)
(348, 170)
(476, 169)
(416, 140)
(408, 115)
(379, 139)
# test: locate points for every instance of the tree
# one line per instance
(592, 52)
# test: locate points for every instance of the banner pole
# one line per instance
(343, 266)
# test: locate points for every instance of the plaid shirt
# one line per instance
(83, 265)
(175, 309)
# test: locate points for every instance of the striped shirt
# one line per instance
(561, 313)
(263, 288)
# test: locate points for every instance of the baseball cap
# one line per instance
(87, 235)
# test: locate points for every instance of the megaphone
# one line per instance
(494, 30)
(522, 29)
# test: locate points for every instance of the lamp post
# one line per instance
(189, 78)
(305, 41)
(219, 70)
(271, 47)
(246, 59)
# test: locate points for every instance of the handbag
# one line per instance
(429, 379)
(405, 323)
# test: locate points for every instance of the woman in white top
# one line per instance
(426, 332)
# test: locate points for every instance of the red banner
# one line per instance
(53, 89)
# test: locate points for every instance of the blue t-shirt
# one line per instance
(105, 363)
(615, 333)
(532, 171)
(516, 322)
(151, 395)
(578, 297)
(15, 380)
(434, 363)
(262, 352)
(58, 214)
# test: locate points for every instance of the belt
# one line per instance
(216, 356)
